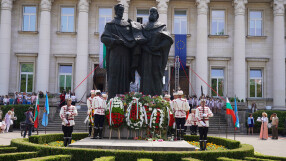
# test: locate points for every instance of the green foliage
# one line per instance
(256, 159)
(109, 158)
(269, 157)
(230, 144)
(7, 149)
(280, 114)
(19, 111)
(227, 159)
(144, 159)
(17, 156)
(190, 159)
(51, 158)
(47, 138)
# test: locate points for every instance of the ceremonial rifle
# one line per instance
(202, 94)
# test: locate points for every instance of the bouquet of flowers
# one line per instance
(116, 116)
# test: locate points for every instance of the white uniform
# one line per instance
(199, 116)
(180, 107)
(99, 105)
(70, 118)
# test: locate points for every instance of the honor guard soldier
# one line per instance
(202, 115)
(171, 118)
(67, 114)
(180, 108)
(99, 105)
(90, 110)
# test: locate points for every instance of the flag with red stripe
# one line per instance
(229, 111)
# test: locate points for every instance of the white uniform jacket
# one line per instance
(99, 105)
(180, 107)
(70, 118)
(199, 115)
(89, 104)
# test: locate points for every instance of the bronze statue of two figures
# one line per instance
(130, 47)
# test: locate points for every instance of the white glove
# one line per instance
(202, 123)
(205, 115)
(66, 121)
(68, 113)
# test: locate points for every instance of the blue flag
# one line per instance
(45, 119)
(181, 48)
(236, 114)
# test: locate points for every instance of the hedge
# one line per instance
(51, 158)
(256, 159)
(47, 138)
(227, 159)
(269, 157)
(280, 114)
(121, 155)
(19, 111)
(109, 158)
(144, 159)
(7, 149)
(17, 156)
(228, 143)
(190, 159)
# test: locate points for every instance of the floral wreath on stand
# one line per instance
(135, 114)
(116, 117)
(157, 119)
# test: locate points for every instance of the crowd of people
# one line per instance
(65, 95)
(18, 98)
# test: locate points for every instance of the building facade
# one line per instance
(237, 47)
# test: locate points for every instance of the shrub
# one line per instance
(230, 144)
(19, 111)
(256, 159)
(269, 157)
(190, 159)
(17, 156)
(7, 149)
(227, 159)
(51, 158)
(109, 158)
(47, 138)
(144, 159)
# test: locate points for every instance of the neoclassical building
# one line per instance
(237, 47)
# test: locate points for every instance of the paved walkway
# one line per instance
(268, 147)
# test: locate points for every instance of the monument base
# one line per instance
(133, 145)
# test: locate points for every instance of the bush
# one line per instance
(227, 159)
(109, 158)
(89, 154)
(269, 157)
(280, 114)
(190, 159)
(51, 158)
(47, 138)
(144, 159)
(19, 111)
(230, 144)
(7, 149)
(17, 156)
(256, 159)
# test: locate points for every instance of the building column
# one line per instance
(239, 50)
(202, 46)
(162, 6)
(278, 55)
(126, 8)
(43, 64)
(5, 45)
(82, 49)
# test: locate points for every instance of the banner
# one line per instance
(181, 48)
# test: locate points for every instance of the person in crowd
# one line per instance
(250, 122)
(1, 100)
(181, 108)
(191, 121)
(171, 120)
(211, 104)
(90, 111)
(215, 105)
(24, 98)
(29, 122)
(219, 106)
(67, 114)
(62, 99)
(13, 118)
(16, 98)
(33, 98)
(274, 123)
(99, 105)
(68, 95)
(104, 96)
(264, 127)
(253, 107)
(190, 102)
(11, 100)
(8, 120)
(203, 113)
(20, 98)
(6, 100)
(29, 99)
(73, 97)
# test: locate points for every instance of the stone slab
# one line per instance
(133, 145)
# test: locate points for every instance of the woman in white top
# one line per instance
(6, 100)
(264, 128)
(8, 120)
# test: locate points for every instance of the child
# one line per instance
(191, 121)
(2, 126)
(250, 122)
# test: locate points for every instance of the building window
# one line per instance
(217, 80)
(65, 77)
(105, 15)
(255, 23)
(67, 19)
(142, 16)
(256, 83)
(180, 22)
(218, 22)
(29, 18)
(26, 77)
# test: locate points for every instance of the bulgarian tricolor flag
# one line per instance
(229, 111)
(36, 114)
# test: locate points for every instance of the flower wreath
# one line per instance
(157, 119)
(116, 117)
(135, 114)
